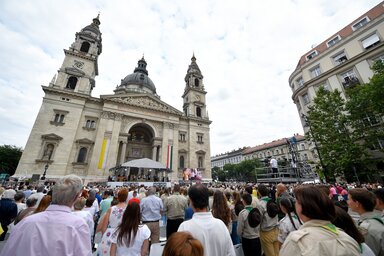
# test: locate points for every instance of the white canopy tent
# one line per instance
(145, 163)
(143, 169)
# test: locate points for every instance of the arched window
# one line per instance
(200, 162)
(85, 47)
(196, 82)
(93, 124)
(198, 111)
(72, 81)
(181, 162)
(82, 155)
(88, 124)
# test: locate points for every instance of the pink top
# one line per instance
(332, 191)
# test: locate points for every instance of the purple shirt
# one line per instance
(53, 232)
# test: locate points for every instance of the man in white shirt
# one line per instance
(273, 164)
(211, 232)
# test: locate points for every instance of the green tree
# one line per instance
(366, 108)
(246, 169)
(330, 123)
(9, 158)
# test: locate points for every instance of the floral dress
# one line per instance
(114, 220)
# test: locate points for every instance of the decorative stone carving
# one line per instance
(149, 103)
(111, 115)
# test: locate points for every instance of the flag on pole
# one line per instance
(104, 154)
(169, 156)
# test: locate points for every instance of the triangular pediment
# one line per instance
(143, 101)
(51, 136)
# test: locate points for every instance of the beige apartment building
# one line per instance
(294, 149)
(340, 62)
(75, 132)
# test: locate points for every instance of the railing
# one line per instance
(350, 82)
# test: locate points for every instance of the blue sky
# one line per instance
(246, 51)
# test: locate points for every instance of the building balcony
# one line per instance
(350, 82)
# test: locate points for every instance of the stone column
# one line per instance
(154, 152)
(123, 151)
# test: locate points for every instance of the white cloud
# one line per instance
(246, 51)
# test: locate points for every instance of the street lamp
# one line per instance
(308, 123)
(45, 172)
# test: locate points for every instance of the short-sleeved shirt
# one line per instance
(142, 234)
(150, 208)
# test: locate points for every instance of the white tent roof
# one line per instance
(144, 163)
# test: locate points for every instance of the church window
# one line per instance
(85, 47)
(71, 84)
(82, 155)
(198, 111)
(200, 138)
(90, 124)
(196, 82)
(181, 162)
(182, 136)
(200, 162)
(58, 117)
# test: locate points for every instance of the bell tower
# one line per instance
(194, 92)
(79, 68)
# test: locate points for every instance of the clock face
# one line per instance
(197, 97)
(78, 64)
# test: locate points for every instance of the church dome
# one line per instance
(93, 27)
(138, 81)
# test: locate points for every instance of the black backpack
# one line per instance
(272, 208)
(254, 217)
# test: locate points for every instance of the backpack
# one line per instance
(272, 208)
(254, 217)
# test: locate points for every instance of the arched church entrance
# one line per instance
(138, 143)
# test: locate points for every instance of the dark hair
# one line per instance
(176, 188)
(344, 221)
(263, 190)
(247, 198)
(289, 204)
(342, 204)
(31, 202)
(129, 225)
(183, 243)
(89, 202)
(236, 197)
(19, 195)
(40, 188)
(220, 208)
(248, 189)
(199, 196)
(379, 193)
(314, 203)
(366, 198)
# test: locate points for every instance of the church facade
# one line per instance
(87, 136)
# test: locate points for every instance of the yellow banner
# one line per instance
(103, 154)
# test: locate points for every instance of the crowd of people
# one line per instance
(201, 219)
